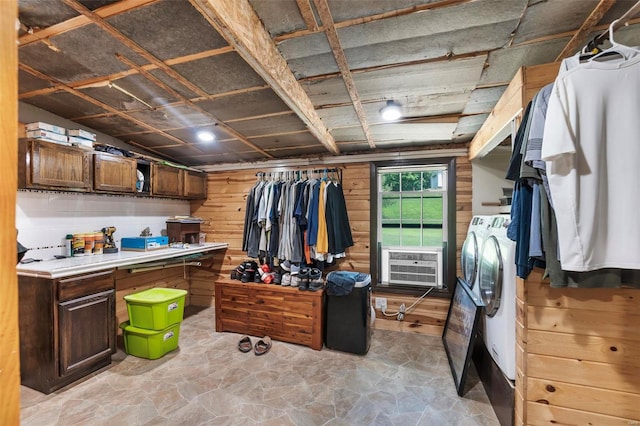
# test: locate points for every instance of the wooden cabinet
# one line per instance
(283, 313)
(114, 173)
(166, 180)
(47, 165)
(195, 185)
(67, 328)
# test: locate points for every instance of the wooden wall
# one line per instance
(224, 210)
(9, 334)
(578, 356)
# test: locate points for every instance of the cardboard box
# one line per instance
(46, 135)
(82, 134)
(144, 243)
(39, 125)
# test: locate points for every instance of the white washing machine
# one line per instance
(479, 230)
(497, 282)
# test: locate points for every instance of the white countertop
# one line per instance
(57, 268)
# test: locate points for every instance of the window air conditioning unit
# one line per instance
(412, 266)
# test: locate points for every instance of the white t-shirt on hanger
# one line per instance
(592, 148)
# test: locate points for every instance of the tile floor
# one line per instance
(403, 380)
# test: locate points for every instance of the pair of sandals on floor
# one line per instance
(261, 347)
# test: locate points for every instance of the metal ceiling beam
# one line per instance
(80, 21)
(177, 95)
(585, 29)
(343, 66)
(238, 23)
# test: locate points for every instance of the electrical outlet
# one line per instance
(381, 303)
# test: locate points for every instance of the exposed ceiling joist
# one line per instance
(585, 29)
(238, 23)
(377, 17)
(307, 14)
(569, 34)
(80, 21)
(79, 7)
(104, 106)
(177, 95)
(343, 66)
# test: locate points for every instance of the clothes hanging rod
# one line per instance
(331, 170)
(618, 23)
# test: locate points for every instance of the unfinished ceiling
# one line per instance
(276, 79)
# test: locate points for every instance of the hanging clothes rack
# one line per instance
(594, 45)
(298, 174)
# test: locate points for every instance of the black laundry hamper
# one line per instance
(348, 312)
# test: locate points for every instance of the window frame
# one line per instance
(449, 247)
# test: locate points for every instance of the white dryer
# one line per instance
(497, 282)
(478, 232)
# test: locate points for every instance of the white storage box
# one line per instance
(39, 125)
(82, 134)
(47, 136)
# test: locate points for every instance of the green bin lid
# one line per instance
(126, 326)
(155, 295)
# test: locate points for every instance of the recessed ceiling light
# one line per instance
(391, 111)
(205, 136)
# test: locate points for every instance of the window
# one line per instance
(412, 206)
(412, 216)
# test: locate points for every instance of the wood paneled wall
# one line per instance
(224, 210)
(578, 355)
(9, 335)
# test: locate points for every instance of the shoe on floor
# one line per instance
(303, 279)
(315, 280)
(262, 346)
(244, 345)
(286, 280)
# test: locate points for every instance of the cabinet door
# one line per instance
(86, 331)
(114, 173)
(195, 185)
(166, 180)
(54, 165)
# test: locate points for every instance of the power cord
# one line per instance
(403, 310)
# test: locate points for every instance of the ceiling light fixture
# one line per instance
(391, 111)
(205, 136)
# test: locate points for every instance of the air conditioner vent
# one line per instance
(417, 266)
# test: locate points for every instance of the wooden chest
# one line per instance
(282, 313)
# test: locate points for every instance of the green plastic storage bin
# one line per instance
(150, 344)
(156, 308)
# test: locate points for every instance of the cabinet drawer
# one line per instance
(83, 285)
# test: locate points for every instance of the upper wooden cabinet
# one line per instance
(166, 180)
(195, 184)
(114, 173)
(47, 165)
